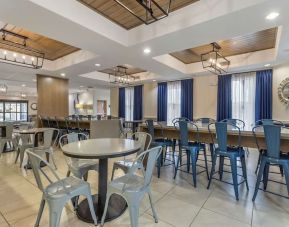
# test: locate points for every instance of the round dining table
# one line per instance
(101, 149)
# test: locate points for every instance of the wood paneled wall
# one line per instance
(52, 96)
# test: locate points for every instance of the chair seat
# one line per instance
(162, 142)
(83, 165)
(133, 183)
(231, 152)
(72, 186)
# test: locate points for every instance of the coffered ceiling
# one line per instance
(52, 49)
(257, 41)
(116, 13)
(130, 70)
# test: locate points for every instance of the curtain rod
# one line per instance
(251, 71)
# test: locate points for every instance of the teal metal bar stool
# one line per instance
(192, 149)
(272, 156)
(219, 134)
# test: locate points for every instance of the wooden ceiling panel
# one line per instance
(52, 49)
(116, 13)
(257, 41)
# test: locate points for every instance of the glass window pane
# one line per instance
(1, 106)
(13, 116)
(7, 117)
(1, 117)
(23, 107)
(23, 116)
(13, 107)
(18, 116)
(18, 107)
(7, 107)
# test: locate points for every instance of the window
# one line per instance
(243, 98)
(13, 110)
(174, 101)
(129, 99)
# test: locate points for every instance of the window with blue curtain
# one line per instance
(138, 112)
(121, 102)
(162, 102)
(224, 103)
(187, 98)
(263, 96)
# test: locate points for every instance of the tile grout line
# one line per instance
(201, 208)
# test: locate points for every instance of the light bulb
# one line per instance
(23, 57)
(15, 55)
(32, 59)
(4, 52)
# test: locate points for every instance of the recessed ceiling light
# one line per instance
(34, 80)
(147, 50)
(81, 86)
(272, 15)
(97, 65)
(154, 80)
(62, 74)
(23, 85)
(267, 65)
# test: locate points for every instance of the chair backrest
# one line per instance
(180, 119)
(144, 139)
(71, 137)
(236, 122)
(219, 134)
(152, 156)
(6, 131)
(272, 137)
(269, 122)
(184, 127)
(151, 128)
(105, 129)
(255, 129)
(205, 120)
(50, 136)
(35, 161)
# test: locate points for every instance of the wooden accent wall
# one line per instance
(52, 96)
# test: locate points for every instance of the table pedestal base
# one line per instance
(116, 207)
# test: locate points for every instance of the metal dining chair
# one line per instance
(236, 122)
(272, 156)
(58, 192)
(269, 122)
(6, 136)
(145, 140)
(78, 167)
(24, 141)
(132, 187)
(258, 126)
(163, 142)
(192, 148)
(219, 136)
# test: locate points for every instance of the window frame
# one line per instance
(4, 112)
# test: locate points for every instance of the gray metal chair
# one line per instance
(24, 141)
(145, 140)
(133, 187)
(78, 167)
(59, 192)
(6, 136)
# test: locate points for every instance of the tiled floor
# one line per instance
(177, 202)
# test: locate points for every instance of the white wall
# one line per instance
(205, 96)
(280, 110)
(30, 99)
(90, 97)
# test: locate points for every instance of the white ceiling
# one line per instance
(108, 44)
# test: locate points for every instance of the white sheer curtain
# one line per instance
(243, 98)
(129, 96)
(174, 101)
